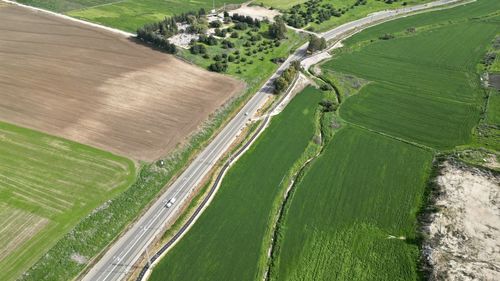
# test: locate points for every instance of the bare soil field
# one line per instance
(101, 89)
(464, 235)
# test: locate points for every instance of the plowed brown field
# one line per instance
(100, 89)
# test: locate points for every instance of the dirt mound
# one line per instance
(99, 88)
(464, 235)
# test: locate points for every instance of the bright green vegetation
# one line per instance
(279, 4)
(126, 14)
(47, 185)
(353, 214)
(362, 190)
(251, 60)
(61, 6)
(431, 95)
(228, 240)
(346, 84)
(322, 15)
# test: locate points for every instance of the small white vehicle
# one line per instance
(246, 113)
(170, 203)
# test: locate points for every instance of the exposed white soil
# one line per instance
(256, 12)
(464, 235)
(183, 39)
(79, 259)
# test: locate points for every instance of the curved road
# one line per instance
(121, 256)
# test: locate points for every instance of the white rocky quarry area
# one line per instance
(464, 235)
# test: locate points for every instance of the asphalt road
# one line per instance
(122, 255)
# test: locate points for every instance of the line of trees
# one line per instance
(158, 41)
(281, 83)
(246, 19)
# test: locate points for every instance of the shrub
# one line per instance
(217, 67)
(198, 49)
(386, 36)
(216, 24)
(241, 26)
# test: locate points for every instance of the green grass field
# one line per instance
(353, 214)
(493, 110)
(363, 188)
(47, 185)
(227, 241)
(127, 15)
(280, 4)
(429, 95)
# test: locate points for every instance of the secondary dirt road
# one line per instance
(99, 88)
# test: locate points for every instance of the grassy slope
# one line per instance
(62, 6)
(430, 95)
(125, 14)
(363, 188)
(279, 4)
(131, 14)
(225, 243)
(56, 179)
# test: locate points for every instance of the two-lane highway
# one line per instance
(124, 253)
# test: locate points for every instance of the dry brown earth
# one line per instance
(98, 88)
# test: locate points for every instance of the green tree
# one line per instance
(277, 30)
(316, 44)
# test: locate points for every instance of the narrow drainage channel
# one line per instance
(275, 240)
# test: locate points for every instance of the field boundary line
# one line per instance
(62, 16)
(419, 145)
(100, 5)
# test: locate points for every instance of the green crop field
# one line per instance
(227, 241)
(125, 14)
(429, 95)
(363, 189)
(47, 185)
